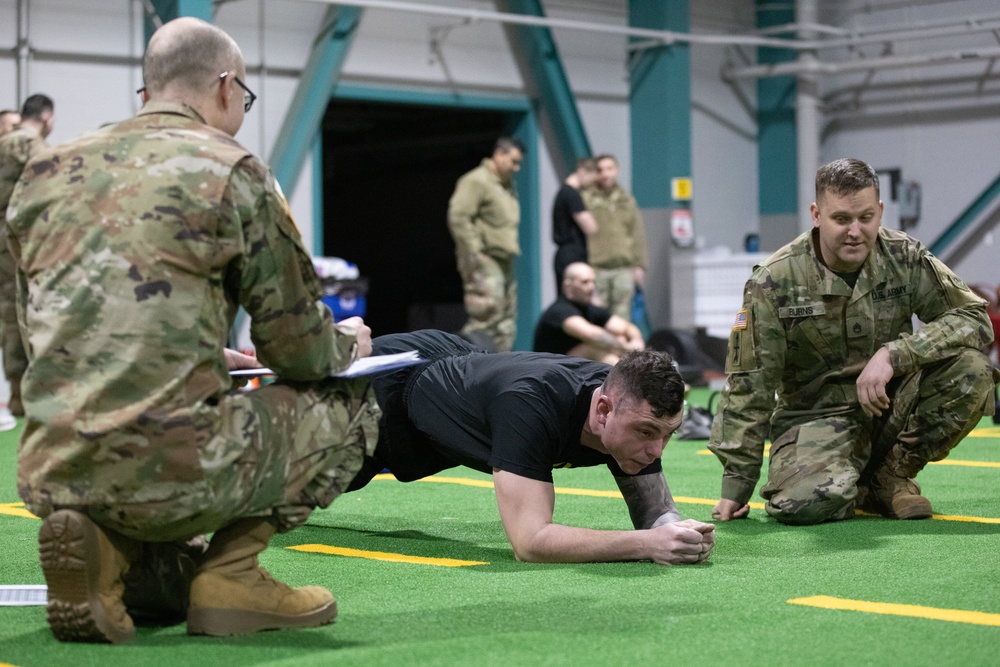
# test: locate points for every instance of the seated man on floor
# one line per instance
(575, 326)
(518, 415)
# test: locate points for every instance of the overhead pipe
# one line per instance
(648, 39)
(662, 37)
(23, 52)
(79, 58)
(861, 65)
(860, 37)
(666, 37)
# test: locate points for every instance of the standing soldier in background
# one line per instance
(16, 148)
(8, 120)
(823, 359)
(483, 217)
(137, 243)
(617, 251)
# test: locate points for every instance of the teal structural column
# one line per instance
(168, 10)
(660, 97)
(317, 188)
(777, 167)
(547, 85)
(308, 105)
(529, 264)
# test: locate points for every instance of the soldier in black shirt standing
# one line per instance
(572, 223)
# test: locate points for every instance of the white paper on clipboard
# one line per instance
(367, 366)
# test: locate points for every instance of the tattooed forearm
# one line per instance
(649, 500)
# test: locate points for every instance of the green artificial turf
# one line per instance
(733, 610)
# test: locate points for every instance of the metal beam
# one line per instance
(660, 96)
(859, 64)
(308, 105)
(807, 118)
(777, 166)
(476, 15)
(545, 81)
(159, 12)
(23, 51)
(528, 268)
(987, 198)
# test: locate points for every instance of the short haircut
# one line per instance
(4, 112)
(194, 58)
(507, 144)
(573, 271)
(35, 106)
(648, 375)
(605, 156)
(586, 164)
(844, 177)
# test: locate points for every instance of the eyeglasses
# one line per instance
(248, 95)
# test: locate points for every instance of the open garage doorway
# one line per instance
(388, 172)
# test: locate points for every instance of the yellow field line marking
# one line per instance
(969, 519)
(562, 490)
(686, 500)
(386, 556)
(16, 509)
(946, 462)
(893, 609)
(988, 432)
(971, 464)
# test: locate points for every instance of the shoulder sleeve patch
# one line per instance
(742, 319)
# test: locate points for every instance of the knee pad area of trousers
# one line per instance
(812, 508)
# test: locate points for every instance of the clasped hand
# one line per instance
(683, 542)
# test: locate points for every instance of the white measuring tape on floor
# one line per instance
(24, 595)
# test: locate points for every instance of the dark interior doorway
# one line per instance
(388, 172)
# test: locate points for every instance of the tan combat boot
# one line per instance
(895, 492)
(232, 594)
(83, 566)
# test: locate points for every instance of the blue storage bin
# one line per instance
(345, 298)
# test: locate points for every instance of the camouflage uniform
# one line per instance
(805, 334)
(618, 246)
(483, 217)
(16, 148)
(138, 243)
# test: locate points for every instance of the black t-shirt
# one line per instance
(565, 231)
(519, 412)
(549, 334)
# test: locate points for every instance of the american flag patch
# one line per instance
(741, 321)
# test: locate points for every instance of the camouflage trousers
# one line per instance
(490, 293)
(816, 465)
(15, 361)
(299, 446)
(616, 288)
